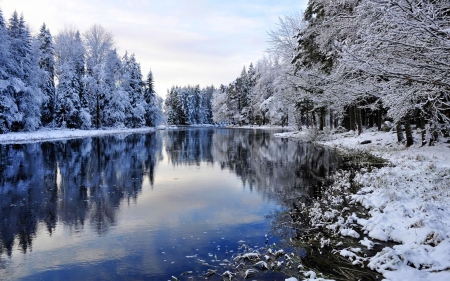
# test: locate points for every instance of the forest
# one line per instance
(350, 65)
(74, 80)
(340, 65)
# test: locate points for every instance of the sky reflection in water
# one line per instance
(142, 206)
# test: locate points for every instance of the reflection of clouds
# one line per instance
(186, 208)
(197, 195)
(201, 197)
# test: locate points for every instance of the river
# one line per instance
(149, 206)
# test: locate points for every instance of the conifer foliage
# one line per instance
(189, 105)
(74, 80)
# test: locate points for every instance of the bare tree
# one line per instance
(98, 43)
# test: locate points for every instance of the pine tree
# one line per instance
(26, 93)
(67, 107)
(152, 111)
(47, 65)
(174, 107)
(9, 112)
(134, 86)
(116, 100)
(69, 70)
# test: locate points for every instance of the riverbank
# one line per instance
(407, 202)
(62, 134)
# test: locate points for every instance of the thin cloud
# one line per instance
(182, 42)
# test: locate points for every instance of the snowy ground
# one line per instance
(263, 127)
(407, 202)
(60, 134)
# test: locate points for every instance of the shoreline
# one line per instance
(406, 202)
(44, 135)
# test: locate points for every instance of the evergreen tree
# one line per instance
(47, 65)
(153, 113)
(134, 86)
(174, 107)
(69, 70)
(68, 101)
(9, 112)
(98, 44)
(79, 81)
(25, 91)
(116, 100)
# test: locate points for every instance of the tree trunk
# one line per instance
(307, 120)
(314, 123)
(351, 114)
(363, 116)
(423, 132)
(359, 120)
(331, 120)
(322, 118)
(417, 119)
(379, 119)
(98, 112)
(398, 127)
(408, 131)
(346, 120)
(371, 119)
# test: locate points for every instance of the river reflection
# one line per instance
(145, 206)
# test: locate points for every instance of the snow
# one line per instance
(408, 202)
(349, 232)
(61, 134)
(263, 127)
(368, 243)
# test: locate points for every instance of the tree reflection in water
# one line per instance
(86, 181)
(70, 182)
(277, 168)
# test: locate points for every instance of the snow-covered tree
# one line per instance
(47, 83)
(9, 112)
(189, 105)
(153, 109)
(404, 52)
(219, 105)
(116, 101)
(98, 43)
(70, 107)
(133, 85)
(24, 72)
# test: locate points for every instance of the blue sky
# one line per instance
(182, 42)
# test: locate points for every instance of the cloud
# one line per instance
(183, 42)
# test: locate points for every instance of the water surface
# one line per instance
(147, 206)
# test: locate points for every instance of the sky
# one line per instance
(182, 42)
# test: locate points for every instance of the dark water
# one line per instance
(147, 206)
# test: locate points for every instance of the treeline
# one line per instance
(72, 81)
(356, 64)
(189, 105)
(261, 94)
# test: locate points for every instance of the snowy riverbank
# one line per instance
(61, 134)
(407, 202)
